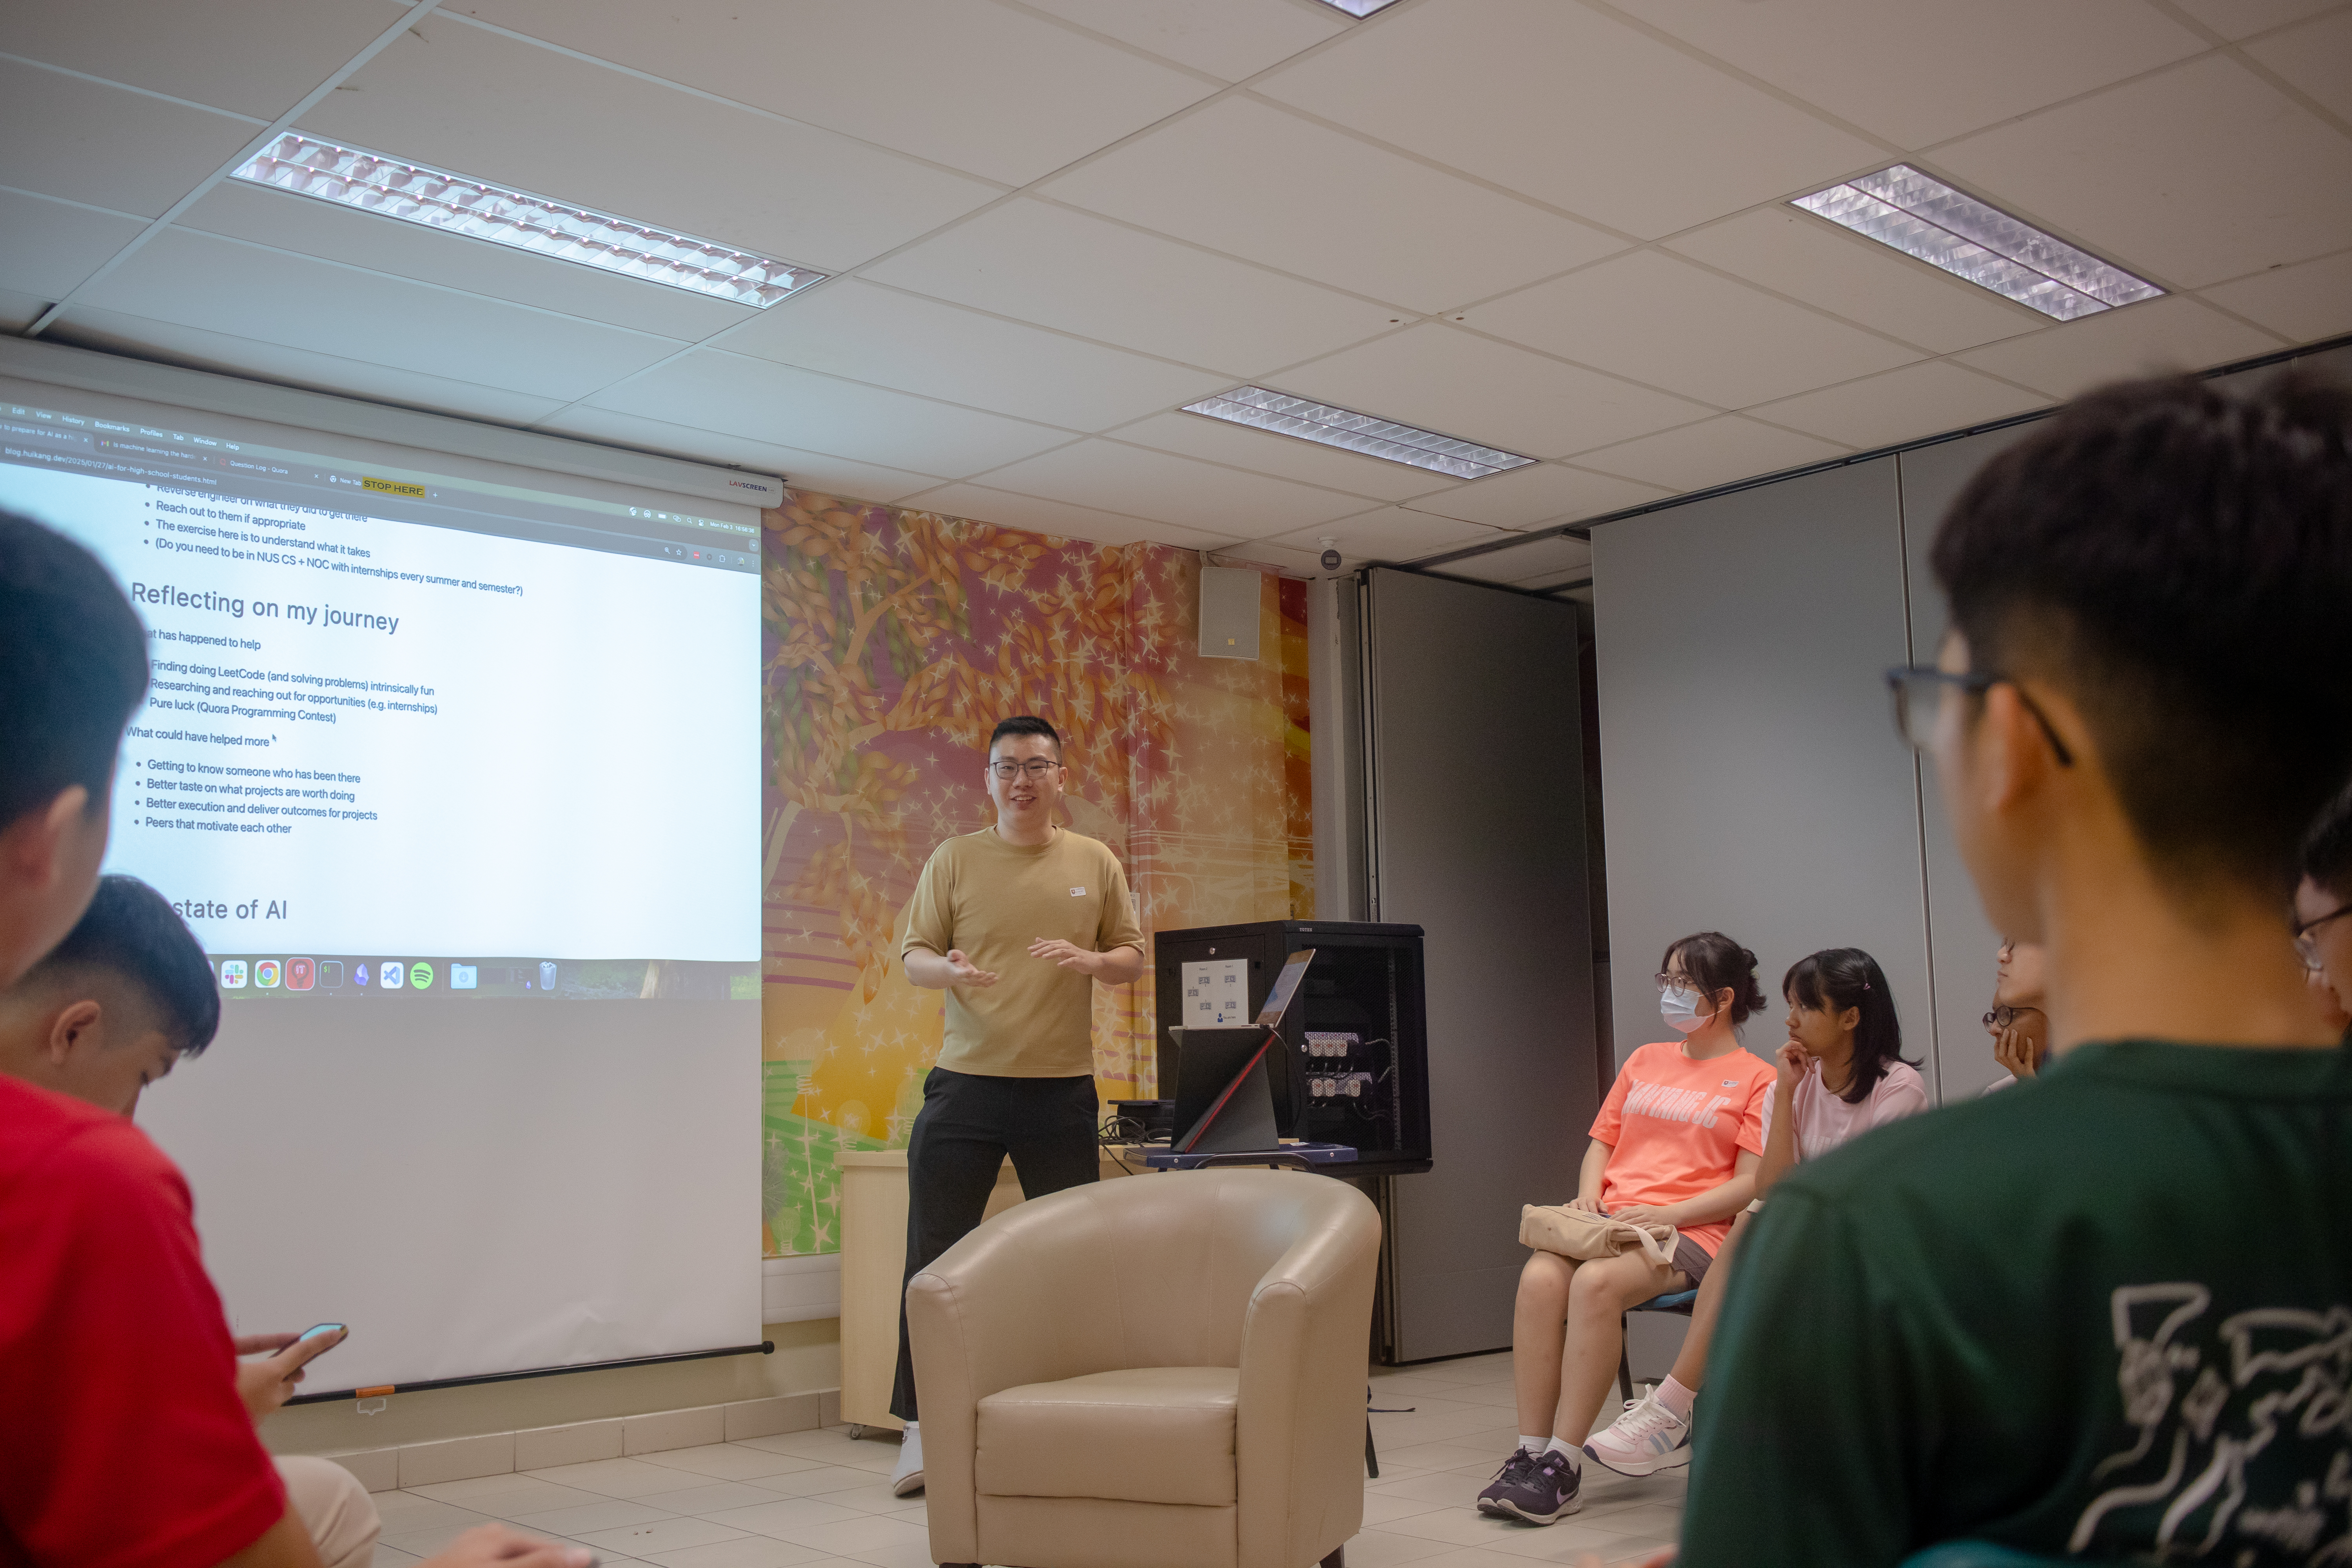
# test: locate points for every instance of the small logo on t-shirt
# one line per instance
(1731, 1083)
(1077, 892)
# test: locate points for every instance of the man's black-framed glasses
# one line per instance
(1035, 767)
(2306, 946)
(2002, 1017)
(1919, 691)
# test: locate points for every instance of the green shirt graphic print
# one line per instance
(2106, 1314)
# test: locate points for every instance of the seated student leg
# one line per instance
(335, 1509)
(1653, 1432)
(1560, 1343)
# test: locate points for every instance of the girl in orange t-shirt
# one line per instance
(1677, 1142)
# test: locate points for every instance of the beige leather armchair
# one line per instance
(1163, 1372)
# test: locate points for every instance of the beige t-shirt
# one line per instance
(991, 899)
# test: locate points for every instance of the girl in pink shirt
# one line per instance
(1842, 1073)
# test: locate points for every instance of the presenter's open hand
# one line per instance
(268, 1380)
(965, 971)
(487, 1543)
(1067, 955)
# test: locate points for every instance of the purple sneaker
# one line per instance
(1543, 1494)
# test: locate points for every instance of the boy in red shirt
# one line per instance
(126, 1440)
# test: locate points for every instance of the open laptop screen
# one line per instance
(1286, 986)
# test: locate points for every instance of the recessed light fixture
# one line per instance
(418, 194)
(1287, 415)
(1360, 9)
(1920, 216)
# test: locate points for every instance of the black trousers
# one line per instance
(966, 1127)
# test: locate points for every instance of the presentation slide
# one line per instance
(453, 766)
(409, 733)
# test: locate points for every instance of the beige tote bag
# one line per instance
(1575, 1233)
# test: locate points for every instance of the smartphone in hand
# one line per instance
(316, 1330)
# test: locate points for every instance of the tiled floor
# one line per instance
(818, 1500)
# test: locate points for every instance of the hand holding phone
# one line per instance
(268, 1380)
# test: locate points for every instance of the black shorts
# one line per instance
(1692, 1259)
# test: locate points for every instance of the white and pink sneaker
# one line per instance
(1647, 1439)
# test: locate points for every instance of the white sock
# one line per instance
(1575, 1455)
(1530, 1445)
(1677, 1398)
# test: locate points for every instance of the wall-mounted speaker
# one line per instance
(1229, 608)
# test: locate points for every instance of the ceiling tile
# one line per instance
(1101, 280)
(1059, 519)
(2196, 174)
(1714, 453)
(1574, 108)
(46, 247)
(1230, 39)
(18, 311)
(794, 407)
(477, 103)
(202, 281)
(919, 344)
(1993, 59)
(1286, 456)
(1871, 285)
(229, 354)
(432, 256)
(65, 137)
(1261, 183)
(837, 477)
(1459, 383)
(967, 83)
(1554, 556)
(1660, 320)
(2316, 57)
(1109, 477)
(1526, 498)
(1391, 533)
(2169, 334)
(2244, 18)
(255, 57)
(1904, 405)
(2302, 303)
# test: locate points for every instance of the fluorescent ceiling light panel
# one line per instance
(1360, 9)
(1920, 216)
(414, 193)
(1319, 422)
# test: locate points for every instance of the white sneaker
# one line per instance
(906, 1476)
(1647, 1439)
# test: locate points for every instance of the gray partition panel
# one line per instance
(1754, 780)
(1478, 835)
(1960, 940)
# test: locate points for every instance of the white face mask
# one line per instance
(1679, 1007)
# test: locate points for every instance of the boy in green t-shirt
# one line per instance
(2109, 1313)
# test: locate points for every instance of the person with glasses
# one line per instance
(2109, 1317)
(1840, 1073)
(2323, 912)
(1017, 923)
(2019, 1027)
(1677, 1142)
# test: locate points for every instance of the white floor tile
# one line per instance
(711, 1497)
(609, 1514)
(726, 1461)
(615, 1478)
(744, 1551)
(661, 1535)
(787, 1520)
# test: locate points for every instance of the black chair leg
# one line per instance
(1624, 1365)
(1371, 1457)
(1338, 1558)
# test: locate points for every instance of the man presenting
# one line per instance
(1015, 923)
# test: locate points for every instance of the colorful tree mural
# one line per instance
(893, 642)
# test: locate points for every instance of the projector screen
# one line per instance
(452, 767)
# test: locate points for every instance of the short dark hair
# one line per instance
(1716, 962)
(1837, 978)
(129, 931)
(2327, 847)
(1025, 724)
(73, 668)
(2177, 555)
